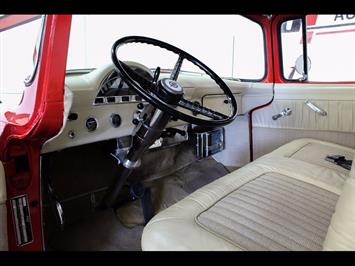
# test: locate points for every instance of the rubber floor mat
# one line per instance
(172, 188)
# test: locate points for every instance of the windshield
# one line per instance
(231, 45)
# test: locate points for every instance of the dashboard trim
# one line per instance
(118, 99)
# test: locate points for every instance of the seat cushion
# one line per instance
(258, 197)
(314, 151)
(273, 212)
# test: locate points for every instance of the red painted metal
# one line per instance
(264, 22)
(38, 117)
(278, 78)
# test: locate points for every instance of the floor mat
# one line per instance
(99, 232)
(122, 230)
(172, 188)
(232, 168)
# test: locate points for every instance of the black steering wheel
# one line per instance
(167, 94)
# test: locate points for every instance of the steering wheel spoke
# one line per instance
(176, 71)
(199, 109)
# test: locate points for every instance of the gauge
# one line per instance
(91, 124)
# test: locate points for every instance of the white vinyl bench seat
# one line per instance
(281, 201)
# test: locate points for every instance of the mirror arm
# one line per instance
(305, 57)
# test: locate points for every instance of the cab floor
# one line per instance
(109, 230)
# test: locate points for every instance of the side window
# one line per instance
(19, 46)
(292, 49)
(330, 48)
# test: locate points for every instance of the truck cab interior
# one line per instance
(208, 132)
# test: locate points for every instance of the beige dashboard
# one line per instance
(82, 88)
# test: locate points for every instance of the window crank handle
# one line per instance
(285, 112)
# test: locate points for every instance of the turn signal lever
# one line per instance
(171, 132)
(285, 112)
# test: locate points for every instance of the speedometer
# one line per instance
(114, 90)
(109, 83)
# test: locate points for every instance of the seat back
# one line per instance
(341, 231)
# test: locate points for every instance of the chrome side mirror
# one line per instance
(299, 66)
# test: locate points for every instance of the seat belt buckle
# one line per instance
(334, 158)
(339, 160)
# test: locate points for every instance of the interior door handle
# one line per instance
(285, 112)
(315, 108)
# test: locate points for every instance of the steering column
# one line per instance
(151, 125)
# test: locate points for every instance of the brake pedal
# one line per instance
(138, 191)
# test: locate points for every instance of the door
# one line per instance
(33, 57)
(322, 98)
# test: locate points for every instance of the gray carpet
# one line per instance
(105, 230)
(231, 168)
(173, 188)
(100, 231)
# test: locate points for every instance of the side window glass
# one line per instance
(19, 48)
(330, 45)
(292, 49)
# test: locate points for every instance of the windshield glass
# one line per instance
(231, 45)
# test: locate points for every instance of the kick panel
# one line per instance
(22, 220)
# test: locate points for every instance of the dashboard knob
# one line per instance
(135, 121)
(91, 124)
(116, 120)
(140, 106)
(72, 116)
